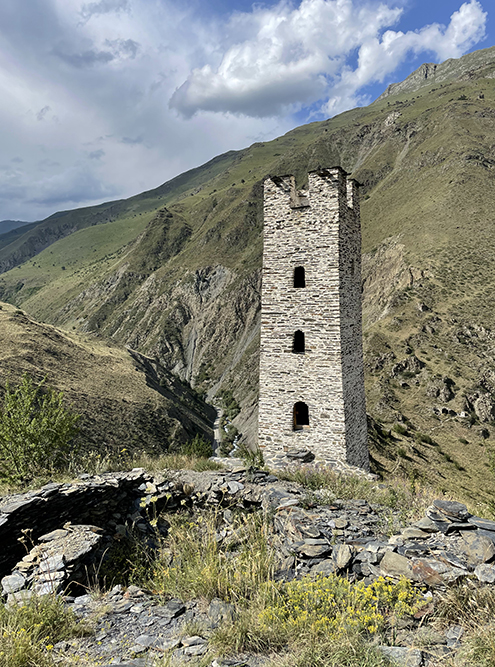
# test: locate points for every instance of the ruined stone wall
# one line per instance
(90, 500)
(320, 231)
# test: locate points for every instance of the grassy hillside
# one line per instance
(175, 272)
(125, 400)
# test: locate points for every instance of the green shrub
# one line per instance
(230, 433)
(401, 430)
(321, 622)
(422, 437)
(225, 447)
(228, 403)
(198, 446)
(348, 651)
(251, 459)
(480, 648)
(36, 430)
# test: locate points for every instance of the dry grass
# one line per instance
(28, 632)
(327, 621)
(95, 463)
(469, 603)
(204, 557)
(405, 495)
(472, 606)
(121, 406)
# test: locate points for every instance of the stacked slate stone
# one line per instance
(312, 535)
(62, 556)
(90, 500)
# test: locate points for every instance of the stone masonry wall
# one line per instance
(90, 500)
(320, 231)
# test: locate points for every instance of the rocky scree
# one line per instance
(315, 536)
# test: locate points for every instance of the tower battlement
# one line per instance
(311, 366)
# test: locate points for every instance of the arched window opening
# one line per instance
(299, 277)
(300, 416)
(298, 346)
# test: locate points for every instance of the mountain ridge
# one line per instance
(434, 73)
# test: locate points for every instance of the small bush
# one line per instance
(229, 435)
(422, 437)
(401, 430)
(331, 606)
(36, 430)
(251, 459)
(225, 448)
(348, 651)
(320, 623)
(480, 647)
(198, 446)
(229, 405)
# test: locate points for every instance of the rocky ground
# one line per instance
(312, 534)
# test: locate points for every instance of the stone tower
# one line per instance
(311, 367)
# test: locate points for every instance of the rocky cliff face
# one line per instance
(450, 70)
(204, 328)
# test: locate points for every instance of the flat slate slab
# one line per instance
(452, 509)
(485, 524)
(395, 565)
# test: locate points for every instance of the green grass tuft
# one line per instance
(28, 632)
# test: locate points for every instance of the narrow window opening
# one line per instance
(298, 346)
(299, 277)
(300, 416)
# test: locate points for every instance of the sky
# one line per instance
(103, 99)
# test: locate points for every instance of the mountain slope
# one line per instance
(175, 272)
(9, 225)
(126, 401)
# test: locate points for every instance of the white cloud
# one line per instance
(104, 7)
(282, 56)
(379, 57)
(466, 28)
(285, 56)
(85, 86)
